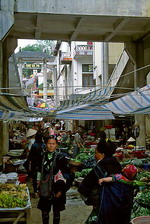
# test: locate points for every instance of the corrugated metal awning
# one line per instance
(87, 112)
(13, 103)
(137, 102)
(94, 97)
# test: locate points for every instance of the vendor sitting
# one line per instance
(131, 141)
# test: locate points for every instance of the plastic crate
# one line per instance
(141, 220)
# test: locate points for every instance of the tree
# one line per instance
(46, 46)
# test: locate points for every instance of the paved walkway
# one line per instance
(76, 211)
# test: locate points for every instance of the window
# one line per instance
(87, 67)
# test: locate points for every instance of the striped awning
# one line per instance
(93, 97)
(86, 112)
(13, 103)
(42, 109)
(137, 102)
(4, 115)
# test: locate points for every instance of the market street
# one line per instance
(76, 211)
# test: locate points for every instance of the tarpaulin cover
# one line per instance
(13, 103)
(137, 102)
(87, 112)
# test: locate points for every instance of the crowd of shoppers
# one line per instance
(47, 164)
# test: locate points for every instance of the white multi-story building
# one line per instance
(83, 67)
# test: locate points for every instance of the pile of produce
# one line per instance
(12, 195)
(137, 162)
(83, 173)
(144, 176)
(86, 157)
(143, 198)
(141, 206)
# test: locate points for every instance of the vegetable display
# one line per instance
(12, 195)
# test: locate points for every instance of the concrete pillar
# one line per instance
(130, 48)
(45, 81)
(4, 135)
(20, 70)
(5, 66)
(6, 49)
(141, 81)
(136, 54)
(1, 65)
(55, 85)
(66, 83)
(4, 139)
(147, 62)
(105, 63)
(141, 140)
(141, 75)
(6, 17)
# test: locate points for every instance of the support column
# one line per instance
(55, 86)
(45, 81)
(5, 66)
(1, 65)
(131, 51)
(105, 63)
(6, 17)
(136, 54)
(20, 70)
(6, 49)
(141, 81)
(4, 139)
(141, 74)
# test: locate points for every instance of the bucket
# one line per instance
(141, 220)
(146, 166)
(22, 178)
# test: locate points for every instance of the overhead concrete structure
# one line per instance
(105, 20)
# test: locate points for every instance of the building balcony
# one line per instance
(50, 92)
(83, 50)
(66, 58)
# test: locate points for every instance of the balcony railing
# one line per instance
(66, 58)
(84, 50)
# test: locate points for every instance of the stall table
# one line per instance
(15, 216)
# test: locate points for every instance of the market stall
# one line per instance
(13, 160)
(14, 200)
(134, 155)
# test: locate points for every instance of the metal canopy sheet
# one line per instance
(13, 103)
(96, 96)
(137, 102)
(6, 115)
(90, 112)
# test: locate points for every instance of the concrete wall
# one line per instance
(115, 51)
(139, 8)
(6, 17)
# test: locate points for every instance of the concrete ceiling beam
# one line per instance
(117, 27)
(77, 29)
(38, 29)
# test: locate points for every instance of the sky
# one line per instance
(23, 43)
